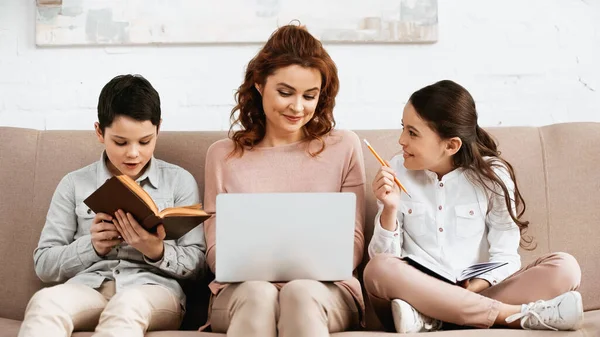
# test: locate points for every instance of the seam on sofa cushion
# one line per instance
(546, 189)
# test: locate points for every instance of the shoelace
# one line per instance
(427, 322)
(531, 312)
(433, 324)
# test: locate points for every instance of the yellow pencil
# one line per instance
(385, 164)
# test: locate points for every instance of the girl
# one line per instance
(284, 142)
(465, 208)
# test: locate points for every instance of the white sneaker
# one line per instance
(407, 319)
(564, 312)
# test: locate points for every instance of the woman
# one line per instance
(283, 140)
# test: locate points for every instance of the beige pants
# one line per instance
(301, 308)
(62, 309)
(388, 277)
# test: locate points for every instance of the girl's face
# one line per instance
(423, 148)
(289, 99)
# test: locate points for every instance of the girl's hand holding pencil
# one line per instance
(384, 163)
(385, 189)
(386, 185)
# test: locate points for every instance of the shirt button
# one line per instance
(89, 211)
(117, 272)
(440, 207)
(441, 184)
(471, 212)
(441, 229)
(410, 211)
(168, 264)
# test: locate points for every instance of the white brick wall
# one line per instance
(526, 62)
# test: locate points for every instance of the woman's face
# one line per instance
(289, 97)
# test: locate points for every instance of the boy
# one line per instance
(118, 277)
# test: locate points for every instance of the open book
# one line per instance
(435, 270)
(122, 192)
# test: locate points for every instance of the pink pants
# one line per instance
(388, 277)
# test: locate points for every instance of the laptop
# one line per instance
(284, 236)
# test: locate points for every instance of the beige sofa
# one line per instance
(558, 168)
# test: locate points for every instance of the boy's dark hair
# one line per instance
(128, 95)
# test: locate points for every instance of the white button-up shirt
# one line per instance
(451, 222)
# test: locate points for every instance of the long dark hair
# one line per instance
(449, 109)
(288, 45)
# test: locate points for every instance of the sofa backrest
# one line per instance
(556, 167)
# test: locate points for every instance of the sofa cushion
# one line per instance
(572, 158)
(9, 327)
(556, 167)
(591, 327)
(18, 232)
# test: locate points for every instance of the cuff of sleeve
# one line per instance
(86, 252)
(382, 232)
(168, 261)
(489, 277)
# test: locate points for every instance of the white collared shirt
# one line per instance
(448, 221)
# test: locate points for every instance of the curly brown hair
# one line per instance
(288, 45)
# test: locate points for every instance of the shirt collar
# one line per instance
(447, 177)
(150, 173)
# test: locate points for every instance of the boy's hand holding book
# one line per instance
(149, 244)
(104, 234)
(123, 193)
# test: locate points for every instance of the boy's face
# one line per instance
(129, 145)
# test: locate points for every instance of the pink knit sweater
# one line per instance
(289, 168)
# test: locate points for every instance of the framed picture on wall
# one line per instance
(141, 22)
